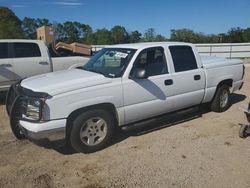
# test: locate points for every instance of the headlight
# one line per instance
(34, 109)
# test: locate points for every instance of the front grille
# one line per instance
(15, 101)
(22, 106)
(10, 98)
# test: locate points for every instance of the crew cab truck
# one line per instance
(120, 86)
(24, 58)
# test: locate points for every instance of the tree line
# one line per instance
(12, 27)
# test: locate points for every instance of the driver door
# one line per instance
(145, 98)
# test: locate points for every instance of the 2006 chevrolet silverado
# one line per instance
(120, 86)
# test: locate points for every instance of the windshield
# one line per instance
(110, 62)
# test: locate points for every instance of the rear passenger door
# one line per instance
(6, 67)
(188, 78)
(28, 60)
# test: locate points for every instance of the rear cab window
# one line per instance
(4, 50)
(23, 50)
(183, 58)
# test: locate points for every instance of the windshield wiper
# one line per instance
(111, 75)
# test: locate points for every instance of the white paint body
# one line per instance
(134, 100)
(14, 69)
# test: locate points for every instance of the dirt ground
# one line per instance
(204, 151)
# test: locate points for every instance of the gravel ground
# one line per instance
(203, 151)
(246, 60)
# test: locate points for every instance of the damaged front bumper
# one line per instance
(51, 130)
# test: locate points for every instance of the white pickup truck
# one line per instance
(24, 58)
(120, 86)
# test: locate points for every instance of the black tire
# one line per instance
(243, 131)
(79, 123)
(16, 129)
(216, 104)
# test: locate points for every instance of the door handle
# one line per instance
(6, 65)
(197, 77)
(43, 63)
(168, 82)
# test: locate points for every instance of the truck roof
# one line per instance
(147, 44)
(20, 40)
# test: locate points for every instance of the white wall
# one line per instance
(229, 50)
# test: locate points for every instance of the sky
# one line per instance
(206, 16)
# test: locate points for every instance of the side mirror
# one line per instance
(139, 73)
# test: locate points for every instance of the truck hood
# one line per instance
(64, 81)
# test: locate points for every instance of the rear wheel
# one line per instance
(221, 101)
(92, 130)
(243, 133)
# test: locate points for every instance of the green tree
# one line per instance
(149, 35)
(246, 35)
(86, 31)
(213, 39)
(29, 26)
(159, 38)
(72, 32)
(59, 32)
(235, 35)
(10, 25)
(42, 22)
(119, 34)
(188, 35)
(134, 36)
(100, 37)
(222, 37)
(182, 35)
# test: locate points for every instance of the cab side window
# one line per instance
(152, 60)
(22, 50)
(3, 50)
(183, 58)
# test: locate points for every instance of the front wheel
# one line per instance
(92, 130)
(221, 101)
(14, 124)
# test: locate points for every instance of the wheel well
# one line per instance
(228, 82)
(106, 106)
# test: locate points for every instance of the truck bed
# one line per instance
(210, 62)
(218, 69)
